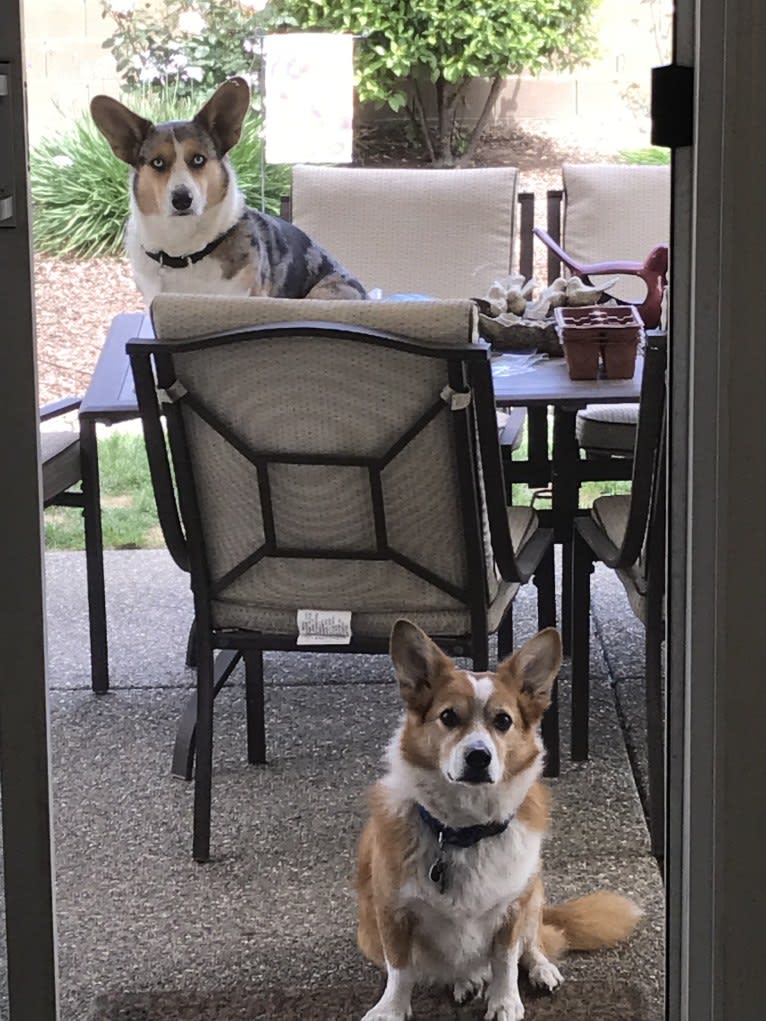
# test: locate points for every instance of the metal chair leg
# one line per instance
(256, 727)
(505, 635)
(191, 645)
(94, 558)
(582, 566)
(184, 747)
(203, 774)
(567, 558)
(545, 583)
(480, 653)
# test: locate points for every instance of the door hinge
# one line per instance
(672, 105)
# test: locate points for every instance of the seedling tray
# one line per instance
(594, 335)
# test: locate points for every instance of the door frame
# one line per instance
(716, 894)
(717, 599)
(24, 751)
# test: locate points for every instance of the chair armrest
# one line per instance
(653, 271)
(531, 553)
(602, 547)
(594, 268)
(60, 407)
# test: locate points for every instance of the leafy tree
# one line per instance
(414, 55)
(183, 44)
(421, 55)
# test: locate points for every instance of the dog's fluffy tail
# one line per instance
(588, 923)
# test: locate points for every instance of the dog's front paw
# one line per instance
(467, 990)
(545, 975)
(383, 1013)
(510, 1008)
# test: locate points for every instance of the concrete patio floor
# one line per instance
(275, 907)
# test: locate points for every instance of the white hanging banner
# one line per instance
(309, 97)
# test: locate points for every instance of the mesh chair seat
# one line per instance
(60, 457)
(382, 592)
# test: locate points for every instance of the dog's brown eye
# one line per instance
(503, 722)
(198, 160)
(449, 717)
(158, 163)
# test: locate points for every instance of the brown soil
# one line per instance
(77, 299)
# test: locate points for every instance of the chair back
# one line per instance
(325, 465)
(444, 233)
(647, 478)
(615, 212)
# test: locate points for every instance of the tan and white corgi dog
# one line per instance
(450, 873)
(189, 229)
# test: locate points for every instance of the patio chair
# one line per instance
(612, 220)
(62, 470)
(627, 533)
(346, 463)
(446, 233)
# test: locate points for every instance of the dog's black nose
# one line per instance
(478, 758)
(181, 199)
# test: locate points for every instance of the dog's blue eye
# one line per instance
(198, 160)
(449, 718)
(503, 722)
(158, 163)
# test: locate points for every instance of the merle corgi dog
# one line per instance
(450, 872)
(189, 229)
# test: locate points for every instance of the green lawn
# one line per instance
(129, 516)
(522, 495)
(128, 512)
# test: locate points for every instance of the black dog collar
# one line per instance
(182, 261)
(448, 836)
(464, 836)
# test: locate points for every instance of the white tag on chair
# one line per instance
(324, 627)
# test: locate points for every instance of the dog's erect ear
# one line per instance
(533, 668)
(124, 130)
(224, 112)
(418, 663)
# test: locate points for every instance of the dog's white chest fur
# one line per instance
(181, 236)
(455, 928)
(204, 277)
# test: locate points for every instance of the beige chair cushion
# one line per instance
(341, 397)
(608, 427)
(176, 316)
(60, 456)
(611, 515)
(615, 212)
(442, 233)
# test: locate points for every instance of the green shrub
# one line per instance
(186, 44)
(650, 156)
(80, 188)
(414, 55)
(422, 55)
